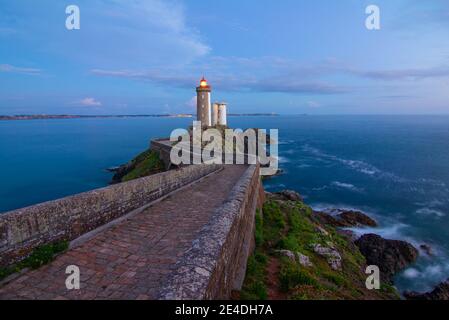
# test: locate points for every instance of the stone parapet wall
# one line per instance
(215, 265)
(23, 230)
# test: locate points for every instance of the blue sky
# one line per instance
(289, 56)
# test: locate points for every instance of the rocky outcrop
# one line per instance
(390, 256)
(441, 292)
(278, 173)
(298, 257)
(145, 164)
(356, 218)
(345, 219)
(332, 256)
(286, 195)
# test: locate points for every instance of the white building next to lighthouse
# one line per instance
(209, 116)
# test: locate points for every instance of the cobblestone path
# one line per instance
(131, 259)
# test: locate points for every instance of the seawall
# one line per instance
(215, 265)
(68, 218)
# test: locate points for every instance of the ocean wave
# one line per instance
(357, 165)
(392, 232)
(284, 142)
(431, 203)
(435, 272)
(348, 186)
(422, 185)
(430, 212)
(283, 159)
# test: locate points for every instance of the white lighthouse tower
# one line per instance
(203, 109)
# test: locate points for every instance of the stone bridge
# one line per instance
(182, 234)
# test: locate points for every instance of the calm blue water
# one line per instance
(395, 168)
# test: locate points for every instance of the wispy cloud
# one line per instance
(89, 102)
(7, 68)
(404, 74)
(275, 75)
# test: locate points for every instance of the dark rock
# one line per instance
(122, 171)
(327, 219)
(287, 195)
(278, 173)
(356, 218)
(441, 292)
(346, 219)
(390, 256)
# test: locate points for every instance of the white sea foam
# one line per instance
(434, 271)
(347, 186)
(392, 232)
(283, 159)
(430, 212)
(411, 273)
(357, 165)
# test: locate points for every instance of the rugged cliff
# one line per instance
(145, 164)
(301, 254)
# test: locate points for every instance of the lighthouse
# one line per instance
(203, 107)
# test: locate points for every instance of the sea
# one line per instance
(394, 168)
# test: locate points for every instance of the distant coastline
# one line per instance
(66, 116)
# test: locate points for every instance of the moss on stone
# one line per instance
(39, 257)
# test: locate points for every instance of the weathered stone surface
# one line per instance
(66, 219)
(304, 260)
(287, 253)
(222, 247)
(333, 256)
(193, 243)
(296, 257)
(390, 256)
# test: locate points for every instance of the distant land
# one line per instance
(66, 116)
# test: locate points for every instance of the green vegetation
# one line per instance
(255, 288)
(292, 275)
(39, 257)
(144, 164)
(292, 226)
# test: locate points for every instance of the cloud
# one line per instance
(270, 74)
(242, 79)
(7, 68)
(89, 102)
(146, 32)
(292, 85)
(404, 74)
(313, 104)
